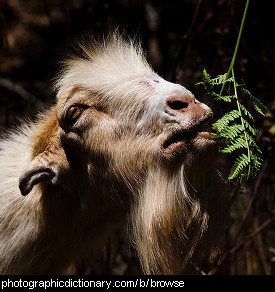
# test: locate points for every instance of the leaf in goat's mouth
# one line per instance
(179, 138)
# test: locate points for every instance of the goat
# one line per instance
(121, 144)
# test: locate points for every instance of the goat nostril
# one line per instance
(177, 104)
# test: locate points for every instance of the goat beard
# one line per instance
(171, 214)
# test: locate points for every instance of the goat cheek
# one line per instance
(72, 140)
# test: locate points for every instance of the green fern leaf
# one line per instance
(232, 131)
(206, 82)
(238, 143)
(241, 162)
(259, 107)
(220, 79)
(236, 127)
(253, 132)
(226, 98)
(246, 112)
(220, 124)
(257, 162)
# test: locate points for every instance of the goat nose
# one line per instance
(180, 103)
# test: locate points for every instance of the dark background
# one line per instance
(180, 38)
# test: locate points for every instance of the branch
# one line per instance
(250, 236)
(238, 246)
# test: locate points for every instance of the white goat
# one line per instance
(120, 142)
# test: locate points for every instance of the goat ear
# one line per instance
(39, 170)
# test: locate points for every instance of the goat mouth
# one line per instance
(179, 138)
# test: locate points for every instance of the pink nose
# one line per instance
(180, 103)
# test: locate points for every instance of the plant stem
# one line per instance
(236, 47)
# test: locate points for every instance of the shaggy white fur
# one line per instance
(120, 142)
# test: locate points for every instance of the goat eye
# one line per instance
(74, 112)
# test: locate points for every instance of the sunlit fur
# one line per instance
(82, 179)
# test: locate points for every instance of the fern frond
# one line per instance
(259, 107)
(209, 84)
(215, 95)
(231, 131)
(239, 143)
(241, 162)
(206, 82)
(225, 98)
(246, 112)
(220, 80)
(257, 162)
(220, 124)
(253, 132)
(236, 126)
(253, 143)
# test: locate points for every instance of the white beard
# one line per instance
(178, 216)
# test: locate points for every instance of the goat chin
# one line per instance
(121, 143)
(175, 216)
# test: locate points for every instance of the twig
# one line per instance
(238, 246)
(234, 192)
(250, 236)
(208, 16)
(260, 249)
(193, 19)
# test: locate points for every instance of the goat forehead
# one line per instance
(155, 91)
(157, 83)
(142, 96)
(166, 88)
(150, 89)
